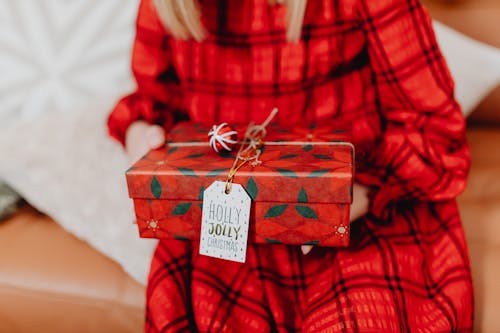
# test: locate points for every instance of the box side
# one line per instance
(270, 222)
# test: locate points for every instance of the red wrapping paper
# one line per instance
(301, 192)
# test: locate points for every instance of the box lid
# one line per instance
(298, 165)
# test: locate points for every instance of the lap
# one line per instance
(404, 275)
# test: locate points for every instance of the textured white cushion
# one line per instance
(58, 54)
(65, 164)
(64, 64)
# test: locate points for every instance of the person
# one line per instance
(374, 64)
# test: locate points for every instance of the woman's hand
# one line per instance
(141, 137)
(360, 202)
(359, 207)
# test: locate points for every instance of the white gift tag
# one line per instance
(224, 224)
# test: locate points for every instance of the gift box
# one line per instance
(301, 191)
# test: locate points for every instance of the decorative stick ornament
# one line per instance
(250, 149)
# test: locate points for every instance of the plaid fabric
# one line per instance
(374, 64)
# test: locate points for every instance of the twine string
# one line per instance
(250, 149)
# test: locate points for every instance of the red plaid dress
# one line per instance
(373, 63)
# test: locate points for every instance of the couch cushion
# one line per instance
(480, 209)
(52, 282)
(477, 19)
(488, 112)
(480, 203)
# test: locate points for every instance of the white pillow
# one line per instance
(64, 64)
(55, 57)
(55, 54)
(64, 164)
(475, 66)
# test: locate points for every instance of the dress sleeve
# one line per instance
(157, 96)
(423, 154)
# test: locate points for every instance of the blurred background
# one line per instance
(71, 257)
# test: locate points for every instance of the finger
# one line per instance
(306, 249)
(155, 136)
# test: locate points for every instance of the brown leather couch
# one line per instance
(52, 282)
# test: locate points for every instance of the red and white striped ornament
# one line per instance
(222, 137)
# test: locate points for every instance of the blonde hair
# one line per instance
(183, 18)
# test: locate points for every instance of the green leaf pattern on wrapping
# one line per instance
(187, 172)
(179, 237)
(275, 211)
(322, 157)
(156, 187)
(215, 172)
(272, 241)
(302, 196)
(307, 147)
(287, 156)
(318, 173)
(182, 208)
(172, 150)
(200, 196)
(287, 173)
(313, 242)
(252, 189)
(306, 212)
(226, 154)
(195, 155)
